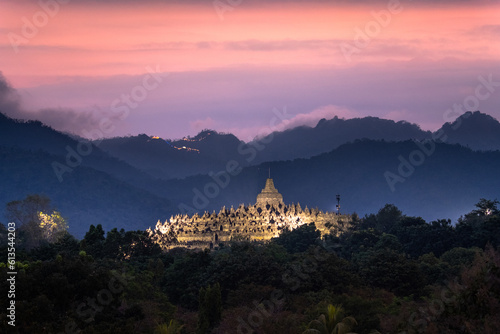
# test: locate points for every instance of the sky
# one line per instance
(173, 68)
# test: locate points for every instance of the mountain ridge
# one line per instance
(193, 155)
(464, 131)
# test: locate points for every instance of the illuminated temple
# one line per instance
(262, 221)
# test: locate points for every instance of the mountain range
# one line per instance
(131, 182)
(209, 150)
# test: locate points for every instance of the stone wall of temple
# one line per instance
(258, 222)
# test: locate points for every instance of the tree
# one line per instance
(419, 237)
(390, 270)
(26, 211)
(53, 226)
(332, 322)
(472, 301)
(359, 241)
(138, 243)
(300, 239)
(113, 243)
(388, 217)
(37, 221)
(388, 241)
(480, 226)
(485, 207)
(93, 241)
(210, 308)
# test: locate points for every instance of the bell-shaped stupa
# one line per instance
(269, 195)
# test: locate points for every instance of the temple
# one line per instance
(262, 221)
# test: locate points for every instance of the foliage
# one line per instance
(28, 215)
(390, 270)
(53, 226)
(210, 308)
(332, 322)
(485, 208)
(300, 239)
(392, 273)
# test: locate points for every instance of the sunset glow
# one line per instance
(400, 60)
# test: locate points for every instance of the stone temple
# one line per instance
(262, 221)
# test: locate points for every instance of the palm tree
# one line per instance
(172, 328)
(332, 322)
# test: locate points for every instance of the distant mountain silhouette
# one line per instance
(210, 151)
(305, 142)
(475, 130)
(207, 151)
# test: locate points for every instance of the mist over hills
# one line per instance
(131, 182)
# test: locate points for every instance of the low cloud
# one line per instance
(61, 119)
(241, 100)
(9, 98)
(312, 118)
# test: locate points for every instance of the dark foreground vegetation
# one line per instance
(390, 274)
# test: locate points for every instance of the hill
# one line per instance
(475, 130)
(166, 159)
(305, 142)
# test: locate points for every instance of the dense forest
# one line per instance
(390, 273)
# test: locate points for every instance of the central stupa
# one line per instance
(269, 195)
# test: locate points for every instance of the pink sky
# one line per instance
(230, 72)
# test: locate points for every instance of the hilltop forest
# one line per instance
(390, 273)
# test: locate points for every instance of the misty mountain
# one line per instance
(445, 183)
(305, 142)
(475, 130)
(210, 151)
(207, 151)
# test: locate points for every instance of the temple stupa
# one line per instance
(269, 195)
